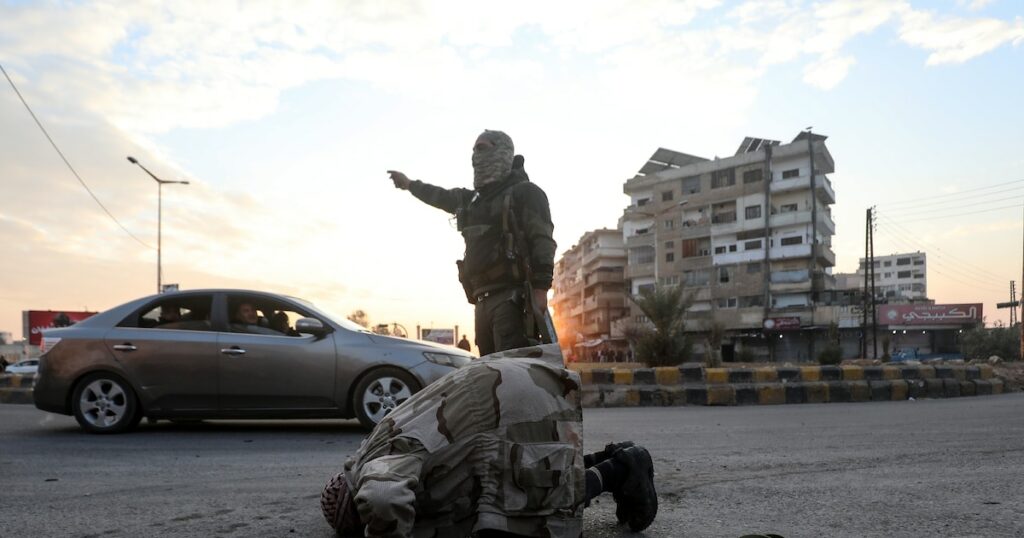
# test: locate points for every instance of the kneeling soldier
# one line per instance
(491, 449)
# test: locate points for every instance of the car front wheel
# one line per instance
(381, 392)
(103, 403)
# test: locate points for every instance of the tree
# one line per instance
(360, 318)
(664, 343)
(833, 351)
(713, 345)
(982, 343)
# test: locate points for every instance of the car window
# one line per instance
(264, 315)
(189, 313)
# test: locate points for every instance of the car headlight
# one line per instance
(444, 359)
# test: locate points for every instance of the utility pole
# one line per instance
(1013, 299)
(159, 218)
(867, 289)
(871, 265)
(814, 241)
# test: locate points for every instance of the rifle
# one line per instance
(537, 322)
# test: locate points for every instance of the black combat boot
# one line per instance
(636, 500)
(610, 449)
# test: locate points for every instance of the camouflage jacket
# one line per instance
(479, 218)
(494, 445)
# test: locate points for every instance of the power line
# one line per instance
(979, 269)
(72, 168)
(948, 194)
(1016, 206)
(954, 265)
(917, 207)
(957, 277)
(946, 209)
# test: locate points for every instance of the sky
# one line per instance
(285, 117)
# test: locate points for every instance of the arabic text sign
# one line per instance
(36, 321)
(440, 336)
(929, 314)
(782, 324)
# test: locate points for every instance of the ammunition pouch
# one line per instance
(467, 286)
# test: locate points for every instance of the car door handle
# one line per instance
(127, 346)
(233, 351)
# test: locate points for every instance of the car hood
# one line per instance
(420, 344)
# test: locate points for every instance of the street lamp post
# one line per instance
(159, 219)
(654, 217)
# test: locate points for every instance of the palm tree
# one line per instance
(664, 344)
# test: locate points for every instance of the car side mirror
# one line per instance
(311, 326)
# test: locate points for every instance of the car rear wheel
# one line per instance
(104, 403)
(380, 392)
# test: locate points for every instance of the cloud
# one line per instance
(956, 40)
(828, 72)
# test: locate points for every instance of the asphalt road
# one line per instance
(917, 468)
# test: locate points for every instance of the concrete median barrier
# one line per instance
(693, 384)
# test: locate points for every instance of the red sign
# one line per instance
(782, 324)
(34, 322)
(929, 314)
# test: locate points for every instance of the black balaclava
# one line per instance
(493, 164)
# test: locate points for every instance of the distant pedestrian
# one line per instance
(464, 344)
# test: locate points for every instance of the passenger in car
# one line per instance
(245, 314)
(169, 314)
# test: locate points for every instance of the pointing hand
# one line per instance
(400, 180)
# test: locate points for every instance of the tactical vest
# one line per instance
(489, 263)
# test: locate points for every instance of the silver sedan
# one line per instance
(228, 354)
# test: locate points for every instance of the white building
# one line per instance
(898, 277)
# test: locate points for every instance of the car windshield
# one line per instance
(340, 320)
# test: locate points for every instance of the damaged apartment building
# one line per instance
(750, 236)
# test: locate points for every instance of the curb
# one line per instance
(16, 388)
(693, 384)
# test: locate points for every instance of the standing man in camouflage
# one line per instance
(510, 252)
(491, 449)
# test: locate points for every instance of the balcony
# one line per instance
(604, 300)
(604, 277)
(640, 240)
(745, 256)
(639, 270)
(803, 217)
(825, 256)
(695, 228)
(789, 252)
(823, 187)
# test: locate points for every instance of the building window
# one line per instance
(727, 302)
(918, 261)
(795, 240)
(667, 196)
(645, 287)
(723, 178)
(886, 275)
(642, 202)
(752, 245)
(903, 274)
(670, 224)
(788, 208)
(753, 268)
(753, 212)
(752, 176)
(669, 281)
(751, 301)
(697, 277)
(732, 248)
(918, 275)
(902, 261)
(691, 185)
(887, 263)
(670, 256)
(669, 245)
(786, 174)
(723, 275)
(720, 250)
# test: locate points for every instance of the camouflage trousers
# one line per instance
(499, 321)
